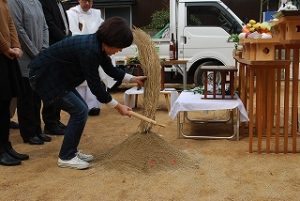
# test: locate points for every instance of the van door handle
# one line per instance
(183, 39)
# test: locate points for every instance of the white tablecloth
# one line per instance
(129, 100)
(188, 101)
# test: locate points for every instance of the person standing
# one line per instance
(10, 77)
(57, 71)
(84, 19)
(58, 27)
(33, 35)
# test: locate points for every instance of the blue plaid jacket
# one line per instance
(67, 63)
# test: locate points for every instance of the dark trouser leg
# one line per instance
(51, 114)
(29, 105)
(4, 123)
(12, 107)
(5, 157)
(73, 104)
(37, 112)
(9, 85)
(51, 117)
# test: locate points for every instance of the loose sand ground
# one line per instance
(224, 170)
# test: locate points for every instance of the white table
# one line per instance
(190, 102)
(130, 96)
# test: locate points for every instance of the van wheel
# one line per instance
(199, 75)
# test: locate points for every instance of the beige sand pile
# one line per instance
(145, 153)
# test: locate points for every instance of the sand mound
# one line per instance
(145, 153)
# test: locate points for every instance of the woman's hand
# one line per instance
(123, 109)
(10, 53)
(139, 80)
(18, 52)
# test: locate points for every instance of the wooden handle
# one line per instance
(142, 117)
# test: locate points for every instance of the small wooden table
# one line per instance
(137, 70)
(177, 64)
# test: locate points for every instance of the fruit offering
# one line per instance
(255, 29)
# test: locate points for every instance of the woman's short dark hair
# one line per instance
(115, 32)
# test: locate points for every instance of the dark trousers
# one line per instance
(4, 123)
(9, 86)
(73, 104)
(28, 109)
(51, 114)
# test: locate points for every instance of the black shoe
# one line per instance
(45, 137)
(54, 130)
(34, 140)
(13, 125)
(8, 160)
(94, 111)
(10, 150)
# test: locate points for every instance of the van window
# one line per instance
(208, 15)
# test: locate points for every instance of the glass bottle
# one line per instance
(172, 48)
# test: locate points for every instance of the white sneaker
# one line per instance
(75, 163)
(85, 157)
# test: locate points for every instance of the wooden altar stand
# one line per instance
(262, 66)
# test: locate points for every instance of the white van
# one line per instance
(201, 29)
